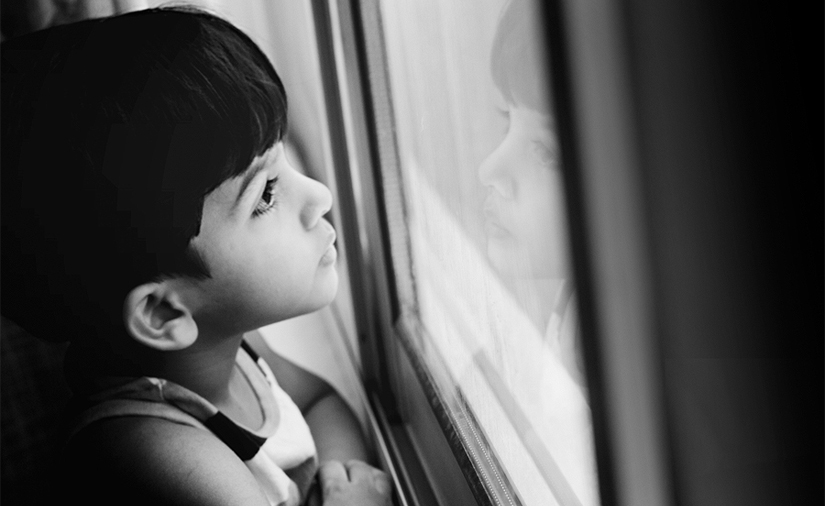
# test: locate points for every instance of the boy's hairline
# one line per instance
(512, 100)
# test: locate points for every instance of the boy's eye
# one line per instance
(267, 200)
(545, 155)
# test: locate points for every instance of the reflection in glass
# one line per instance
(484, 203)
(525, 221)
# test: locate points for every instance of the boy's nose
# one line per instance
(318, 203)
(493, 173)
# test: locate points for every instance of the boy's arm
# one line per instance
(143, 460)
(334, 426)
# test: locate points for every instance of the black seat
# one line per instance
(33, 395)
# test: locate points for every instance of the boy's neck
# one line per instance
(204, 368)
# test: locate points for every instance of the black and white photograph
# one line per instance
(412, 253)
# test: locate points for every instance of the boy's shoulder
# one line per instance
(151, 460)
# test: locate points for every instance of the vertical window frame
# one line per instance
(372, 281)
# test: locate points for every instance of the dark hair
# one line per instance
(519, 61)
(113, 132)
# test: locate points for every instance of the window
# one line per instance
(472, 176)
(686, 259)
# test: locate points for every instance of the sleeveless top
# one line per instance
(280, 454)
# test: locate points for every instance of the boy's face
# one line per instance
(269, 251)
(524, 207)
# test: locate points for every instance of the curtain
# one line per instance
(23, 16)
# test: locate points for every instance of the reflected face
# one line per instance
(270, 252)
(524, 208)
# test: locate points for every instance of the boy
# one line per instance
(151, 218)
(529, 240)
(526, 222)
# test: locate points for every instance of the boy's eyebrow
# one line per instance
(258, 164)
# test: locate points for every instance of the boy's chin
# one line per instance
(333, 292)
(513, 263)
(326, 293)
(322, 295)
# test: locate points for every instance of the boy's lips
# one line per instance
(492, 222)
(329, 256)
(494, 230)
(332, 235)
(330, 253)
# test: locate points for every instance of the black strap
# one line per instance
(239, 440)
(247, 348)
(244, 443)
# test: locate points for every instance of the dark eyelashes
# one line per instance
(267, 200)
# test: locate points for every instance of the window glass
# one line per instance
(482, 177)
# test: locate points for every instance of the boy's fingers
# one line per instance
(382, 482)
(332, 473)
(359, 470)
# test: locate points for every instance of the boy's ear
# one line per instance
(156, 317)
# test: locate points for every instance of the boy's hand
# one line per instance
(355, 483)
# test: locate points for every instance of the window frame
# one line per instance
(431, 466)
(350, 98)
